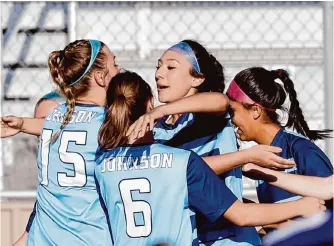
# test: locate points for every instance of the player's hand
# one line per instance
(10, 125)
(145, 123)
(249, 167)
(266, 156)
(310, 205)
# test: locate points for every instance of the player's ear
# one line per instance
(150, 105)
(197, 81)
(256, 112)
(99, 78)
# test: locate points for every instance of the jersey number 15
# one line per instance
(79, 178)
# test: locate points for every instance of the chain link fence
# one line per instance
(239, 34)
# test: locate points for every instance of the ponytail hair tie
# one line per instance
(121, 97)
(283, 75)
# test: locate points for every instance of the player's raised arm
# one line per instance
(303, 185)
(206, 102)
(12, 125)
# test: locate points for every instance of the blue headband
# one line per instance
(184, 49)
(95, 46)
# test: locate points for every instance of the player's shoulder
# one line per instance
(91, 116)
(168, 149)
(292, 135)
(145, 149)
(86, 106)
(81, 109)
(292, 140)
(300, 145)
(179, 154)
(54, 96)
(297, 141)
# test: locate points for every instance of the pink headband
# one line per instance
(235, 92)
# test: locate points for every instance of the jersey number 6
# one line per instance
(79, 178)
(132, 207)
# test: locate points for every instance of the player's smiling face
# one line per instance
(243, 119)
(173, 77)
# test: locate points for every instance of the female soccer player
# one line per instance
(214, 102)
(184, 70)
(68, 204)
(43, 107)
(151, 190)
(255, 96)
(262, 155)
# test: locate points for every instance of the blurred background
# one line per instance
(297, 36)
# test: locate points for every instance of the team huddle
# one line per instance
(115, 170)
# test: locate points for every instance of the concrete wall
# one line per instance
(14, 218)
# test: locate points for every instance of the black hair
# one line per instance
(211, 69)
(260, 85)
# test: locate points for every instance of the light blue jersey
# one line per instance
(152, 191)
(60, 99)
(68, 208)
(209, 135)
(55, 96)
